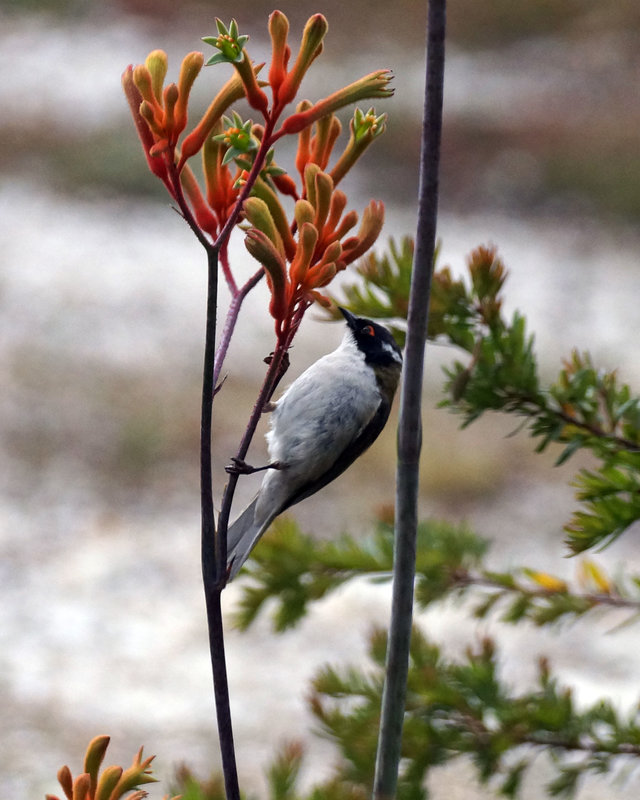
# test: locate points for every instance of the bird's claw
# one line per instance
(240, 467)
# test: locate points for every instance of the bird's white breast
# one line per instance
(324, 410)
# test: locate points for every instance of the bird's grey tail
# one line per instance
(242, 537)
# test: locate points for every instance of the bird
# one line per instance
(321, 424)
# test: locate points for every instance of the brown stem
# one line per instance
(265, 145)
(230, 322)
(594, 430)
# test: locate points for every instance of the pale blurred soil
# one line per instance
(101, 315)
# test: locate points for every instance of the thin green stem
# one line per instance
(409, 431)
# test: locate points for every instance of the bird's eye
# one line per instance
(368, 330)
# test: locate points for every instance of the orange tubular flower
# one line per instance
(189, 70)
(317, 253)
(232, 91)
(166, 111)
(374, 85)
(264, 251)
(205, 217)
(310, 48)
(219, 181)
(280, 50)
(370, 227)
(134, 98)
(299, 256)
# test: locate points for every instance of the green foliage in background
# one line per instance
(585, 408)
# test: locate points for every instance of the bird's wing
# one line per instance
(350, 453)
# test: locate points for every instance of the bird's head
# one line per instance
(378, 346)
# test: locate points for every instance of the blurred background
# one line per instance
(102, 311)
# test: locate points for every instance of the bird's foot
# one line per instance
(240, 467)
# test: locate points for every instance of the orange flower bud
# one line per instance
(372, 85)
(134, 98)
(310, 172)
(349, 221)
(327, 131)
(370, 227)
(307, 240)
(256, 97)
(157, 64)
(338, 205)
(324, 271)
(310, 48)
(65, 780)
(303, 154)
(279, 31)
(217, 176)
(285, 185)
(108, 782)
(147, 112)
(81, 786)
(143, 81)
(95, 754)
(323, 191)
(160, 147)
(170, 100)
(331, 253)
(257, 213)
(322, 299)
(232, 90)
(320, 275)
(202, 212)
(262, 190)
(303, 212)
(189, 70)
(264, 251)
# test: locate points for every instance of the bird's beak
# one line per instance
(350, 318)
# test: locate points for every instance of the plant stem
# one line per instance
(409, 431)
(230, 321)
(210, 567)
(214, 543)
(594, 599)
(265, 144)
(274, 374)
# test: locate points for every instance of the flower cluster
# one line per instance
(112, 783)
(298, 265)
(242, 180)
